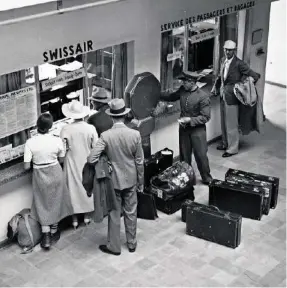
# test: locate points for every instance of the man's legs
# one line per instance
(130, 216)
(185, 149)
(231, 122)
(223, 144)
(114, 226)
(199, 145)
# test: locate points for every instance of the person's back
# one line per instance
(122, 147)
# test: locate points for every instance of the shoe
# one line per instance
(226, 154)
(221, 147)
(105, 249)
(132, 250)
(87, 221)
(55, 237)
(46, 240)
(75, 225)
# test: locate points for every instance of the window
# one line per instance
(47, 87)
(196, 49)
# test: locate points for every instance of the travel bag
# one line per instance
(213, 224)
(172, 186)
(269, 179)
(146, 208)
(237, 198)
(156, 163)
(265, 187)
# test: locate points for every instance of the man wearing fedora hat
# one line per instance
(124, 149)
(195, 112)
(100, 120)
(232, 71)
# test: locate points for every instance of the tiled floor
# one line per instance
(165, 255)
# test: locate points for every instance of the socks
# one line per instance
(54, 228)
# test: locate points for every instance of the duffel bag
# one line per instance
(177, 179)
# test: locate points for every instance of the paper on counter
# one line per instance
(75, 65)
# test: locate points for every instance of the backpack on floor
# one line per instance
(26, 230)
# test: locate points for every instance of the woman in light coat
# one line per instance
(79, 138)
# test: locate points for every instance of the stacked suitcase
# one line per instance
(241, 195)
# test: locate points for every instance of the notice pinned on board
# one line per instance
(174, 56)
(204, 36)
(18, 111)
(63, 78)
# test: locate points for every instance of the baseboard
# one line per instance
(276, 84)
(5, 243)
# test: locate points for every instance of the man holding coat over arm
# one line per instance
(123, 147)
(195, 113)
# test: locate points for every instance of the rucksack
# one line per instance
(26, 230)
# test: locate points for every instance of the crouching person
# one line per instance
(124, 150)
(51, 199)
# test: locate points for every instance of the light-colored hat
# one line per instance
(117, 108)
(75, 110)
(100, 95)
(229, 44)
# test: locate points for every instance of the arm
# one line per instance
(246, 71)
(62, 151)
(94, 138)
(204, 113)
(139, 160)
(27, 157)
(171, 96)
(97, 151)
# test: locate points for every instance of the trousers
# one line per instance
(127, 201)
(193, 139)
(229, 127)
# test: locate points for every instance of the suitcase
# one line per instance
(184, 207)
(142, 94)
(146, 208)
(155, 164)
(253, 176)
(237, 198)
(212, 224)
(265, 187)
(174, 204)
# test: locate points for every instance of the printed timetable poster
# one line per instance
(18, 111)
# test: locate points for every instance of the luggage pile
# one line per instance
(167, 185)
(241, 195)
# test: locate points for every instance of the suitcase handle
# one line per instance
(214, 207)
(224, 214)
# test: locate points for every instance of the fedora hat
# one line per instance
(229, 44)
(75, 110)
(117, 108)
(100, 95)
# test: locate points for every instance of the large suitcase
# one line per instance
(157, 163)
(269, 179)
(237, 198)
(212, 224)
(142, 94)
(265, 187)
(173, 204)
(174, 180)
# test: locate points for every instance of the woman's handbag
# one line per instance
(146, 206)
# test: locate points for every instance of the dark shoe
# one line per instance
(46, 241)
(221, 147)
(132, 250)
(55, 237)
(226, 154)
(105, 249)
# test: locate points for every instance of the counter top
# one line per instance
(12, 173)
